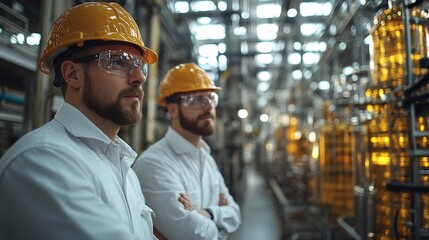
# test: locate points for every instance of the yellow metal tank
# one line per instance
(387, 49)
(388, 133)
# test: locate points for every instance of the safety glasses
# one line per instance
(118, 63)
(198, 100)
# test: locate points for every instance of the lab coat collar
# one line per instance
(180, 145)
(77, 124)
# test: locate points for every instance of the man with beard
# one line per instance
(178, 176)
(72, 177)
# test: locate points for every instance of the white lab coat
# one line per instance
(68, 180)
(172, 166)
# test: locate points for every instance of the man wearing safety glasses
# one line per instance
(72, 177)
(179, 178)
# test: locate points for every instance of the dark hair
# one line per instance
(171, 99)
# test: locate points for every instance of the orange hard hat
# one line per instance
(187, 77)
(88, 22)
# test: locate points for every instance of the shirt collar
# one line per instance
(181, 145)
(78, 125)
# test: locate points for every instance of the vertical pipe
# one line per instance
(39, 109)
(135, 135)
(414, 164)
(153, 74)
(39, 88)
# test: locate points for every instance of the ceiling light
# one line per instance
(223, 62)
(267, 31)
(309, 29)
(263, 87)
(181, 7)
(200, 6)
(243, 113)
(264, 58)
(308, 9)
(222, 6)
(209, 31)
(292, 13)
(297, 74)
(240, 31)
(265, 47)
(294, 58)
(310, 58)
(323, 85)
(297, 46)
(270, 10)
(208, 50)
(264, 76)
(245, 15)
(264, 117)
(221, 47)
(204, 20)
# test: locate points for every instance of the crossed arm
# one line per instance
(188, 206)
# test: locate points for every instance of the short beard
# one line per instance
(111, 111)
(191, 125)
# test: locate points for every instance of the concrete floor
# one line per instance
(259, 221)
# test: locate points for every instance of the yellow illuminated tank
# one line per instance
(386, 149)
(336, 167)
(387, 50)
(388, 129)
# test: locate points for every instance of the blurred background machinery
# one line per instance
(366, 177)
(326, 99)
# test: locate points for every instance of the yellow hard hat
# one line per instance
(88, 22)
(187, 77)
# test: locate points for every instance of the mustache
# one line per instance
(133, 92)
(205, 115)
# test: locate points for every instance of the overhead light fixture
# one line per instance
(270, 10)
(264, 58)
(267, 31)
(242, 113)
(203, 6)
(222, 6)
(292, 13)
(297, 74)
(294, 58)
(324, 85)
(309, 9)
(265, 47)
(181, 7)
(264, 76)
(263, 87)
(310, 58)
(208, 31)
(264, 117)
(208, 50)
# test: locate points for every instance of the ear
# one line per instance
(70, 72)
(173, 110)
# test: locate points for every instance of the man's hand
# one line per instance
(188, 205)
(222, 200)
(186, 202)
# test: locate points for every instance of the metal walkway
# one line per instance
(259, 220)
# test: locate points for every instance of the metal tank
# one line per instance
(388, 128)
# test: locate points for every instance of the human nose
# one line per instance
(137, 77)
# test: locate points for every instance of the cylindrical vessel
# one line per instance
(336, 168)
(387, 48)
(388, 130)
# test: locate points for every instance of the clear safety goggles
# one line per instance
(118, 63)
(199, 101)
